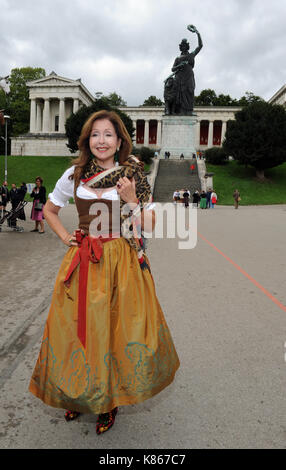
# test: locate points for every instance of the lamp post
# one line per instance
(5, 86)
(6, 145)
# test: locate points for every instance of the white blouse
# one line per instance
(64, 190)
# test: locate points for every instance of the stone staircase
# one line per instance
(175, 174)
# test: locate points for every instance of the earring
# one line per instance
(116, 157)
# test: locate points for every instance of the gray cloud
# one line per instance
(129, 46)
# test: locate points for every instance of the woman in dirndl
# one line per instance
(37, 213)
(106, 342)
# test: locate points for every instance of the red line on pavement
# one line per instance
(265, 291)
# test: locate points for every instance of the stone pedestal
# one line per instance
(178, 136)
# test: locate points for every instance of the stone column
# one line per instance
(146, 133)
(159, 133)
(33, 116)
(211, 134)
(198, 135)
(223, 130)
(75, 105)
(134, 124)
(39, 118)
(62, 117)
(46, 116)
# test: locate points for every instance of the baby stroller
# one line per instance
(11, 217)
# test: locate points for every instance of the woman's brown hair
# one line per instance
(83, 142)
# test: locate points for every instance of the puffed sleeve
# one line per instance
(64, 189)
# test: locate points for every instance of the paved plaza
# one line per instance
(224, 302)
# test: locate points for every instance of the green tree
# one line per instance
(206, 98)
(75, 122)
(209, 97)
(18, 102)
(146, 154)
(216, 156)
(153, 101)
(257, 137)
(113, 99)
(249, 98)
(225, 100)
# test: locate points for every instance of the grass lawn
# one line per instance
(28, 168)
(233, 176)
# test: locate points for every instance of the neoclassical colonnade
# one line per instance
(209, 133)
(210, 127)
(48, 115)
(148, 132)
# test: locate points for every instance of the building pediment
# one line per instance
(54, 80)
(279, 97)
(55, 86)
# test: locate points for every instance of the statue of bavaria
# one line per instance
(179, 88)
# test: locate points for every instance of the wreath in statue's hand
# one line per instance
(192, 28)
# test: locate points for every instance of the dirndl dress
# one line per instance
(106, 342)
(36, 214)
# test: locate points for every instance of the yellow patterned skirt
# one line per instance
(129, 354)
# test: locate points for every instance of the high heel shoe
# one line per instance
(105, 421)
(71, 415)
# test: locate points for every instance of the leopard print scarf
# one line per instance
(130, 168)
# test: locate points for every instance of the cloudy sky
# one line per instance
(129, 46)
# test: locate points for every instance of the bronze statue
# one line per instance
(179, 89)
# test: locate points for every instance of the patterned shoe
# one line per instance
(71, 415)
(105, 421)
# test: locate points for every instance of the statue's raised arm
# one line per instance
(193, 29)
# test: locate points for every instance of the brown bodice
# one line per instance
(98, 216)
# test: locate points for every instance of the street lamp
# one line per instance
(6, 117)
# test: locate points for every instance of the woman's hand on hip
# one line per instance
(70, 240)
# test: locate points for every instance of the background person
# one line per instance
(196, 198)
(181, 195)
(237, 198)
(23, 191)
(186, 196)
(208, 197)
(213, 199)
(15, 197)
(37, 214)
(4, 196)
(176, 196)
